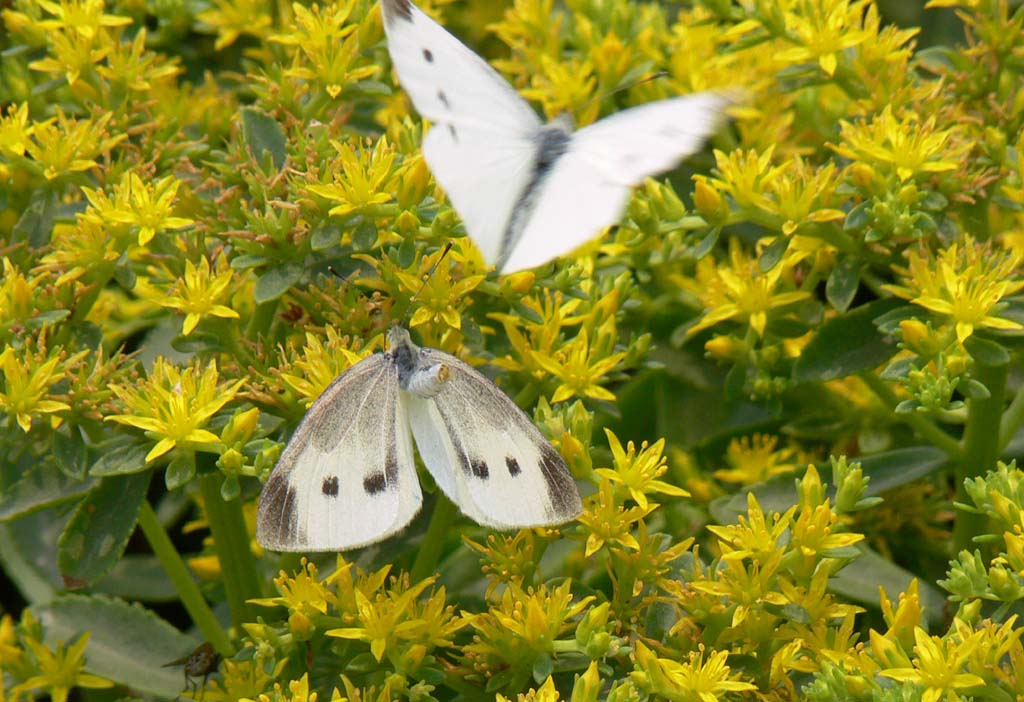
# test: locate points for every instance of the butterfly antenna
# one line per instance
(426, 279)
(632, 84)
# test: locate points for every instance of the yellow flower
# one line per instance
(148, 205)
(198, 294)
(232, 18)
(84, 17)
(822, 32)
(328, 47)
(173, 405)
(396, 619)
(363, 181)
(607, 522)
(15, 130)
(70, 145)
(321, 363)
(26, 383)
(938, 665)
(909, 146)
(739, 291)
(441, 300)
(60, 670)
(545, 693)
(639, 472)
(755, 458)
(301, 593)
(966, 283)
(581, 367)
(707, 679)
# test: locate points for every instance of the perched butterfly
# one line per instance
(527, 191)
(347, 477)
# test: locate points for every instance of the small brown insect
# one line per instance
(202, 661)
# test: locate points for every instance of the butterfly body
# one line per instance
(347, 477)
(527, 191)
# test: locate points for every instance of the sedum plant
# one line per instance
(788, 383)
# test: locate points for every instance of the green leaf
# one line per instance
(120, 460)
(707, 243)
(985, 352)
(26, 548)
(325, 236)
(95, 538)
(40, 486)
(843, 283)
(136, 577)
(773, 253)
(69, 451)
(36, 222)
(543, 666)
(275, 282)
(263, 133)
(860, 583)
(847, 344)
(128, 644)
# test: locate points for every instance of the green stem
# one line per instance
(180, 576)
(433, 541)
(231, 541)
(261, 319)
(1013, 417)
(981, 448)
(917, 422)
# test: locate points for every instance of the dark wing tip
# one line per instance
(562, 490)
(396, 10)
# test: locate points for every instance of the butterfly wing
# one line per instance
(482, 146)
(347, 477)
(486, 454)
(587, 187)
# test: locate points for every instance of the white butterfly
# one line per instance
(528, 192)
(347, 477)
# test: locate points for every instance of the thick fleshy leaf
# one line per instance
(847, 344)
(40, 486)
(861, 581)
(276, 281)
(263, 134)
(97, 533)
(843, 283)
(128, 643)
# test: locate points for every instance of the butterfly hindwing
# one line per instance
(485, 453)
(643, 141)
(590, 184)
(482, 146)
(347, 477)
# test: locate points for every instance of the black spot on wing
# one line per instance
(444, 99)
(562, 492)
(428, 55)
(396, 9)
(375, 483)
(479, 468)
(513, 466)
(278, 512)
(330, 486)
(451, 130)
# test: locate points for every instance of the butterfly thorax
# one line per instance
(417, 372)
(552, 142)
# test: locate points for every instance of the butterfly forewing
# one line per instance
(347, 477)
(487, 455)
(482, 146)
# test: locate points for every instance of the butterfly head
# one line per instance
(398, 336)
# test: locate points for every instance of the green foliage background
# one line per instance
(788, 383)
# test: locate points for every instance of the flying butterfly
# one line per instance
(528, 192)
